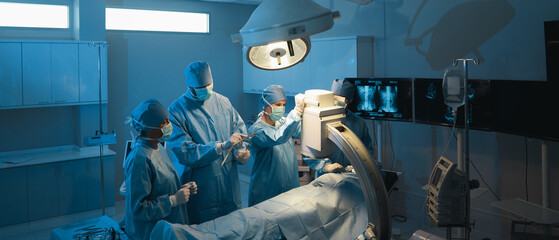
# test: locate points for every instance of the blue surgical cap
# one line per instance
(273, 94)
(343, 88)
(150, 113)
(198, 74)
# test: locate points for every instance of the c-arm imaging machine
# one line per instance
(322, 130)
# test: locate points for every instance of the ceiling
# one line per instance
(251, 2)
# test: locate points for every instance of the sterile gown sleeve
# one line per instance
(188, 152)
(284, 133)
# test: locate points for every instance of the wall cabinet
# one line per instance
(45, 73)
(329, 59)
(64, 66)
(10, 74)
(13, 203)
(36, 73)
(43, 191)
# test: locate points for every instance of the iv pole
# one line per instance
(465, 166)
(99, 45)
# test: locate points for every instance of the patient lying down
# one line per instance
(330, 207)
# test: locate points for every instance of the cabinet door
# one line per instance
(10, 75)
(36, 73)
(94, 182)
(42, 191)
(72, 187)
(89, 72)
(65, 82)
(13, 203)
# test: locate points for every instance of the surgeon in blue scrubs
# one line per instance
(337, 162)
(153, 188)
(275, 168)
(205, 128)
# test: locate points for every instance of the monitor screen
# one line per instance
(382, 98)
(526, 108)
(430, 106)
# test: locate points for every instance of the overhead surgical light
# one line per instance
(277, 33)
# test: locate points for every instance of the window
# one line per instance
(160, 21)
(33, 15)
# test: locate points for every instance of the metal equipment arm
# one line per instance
(370, 180)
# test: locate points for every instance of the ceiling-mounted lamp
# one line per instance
(277, 33)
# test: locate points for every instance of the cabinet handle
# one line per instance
(60, 101)
(44, 102)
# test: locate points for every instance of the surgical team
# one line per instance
(202, 129)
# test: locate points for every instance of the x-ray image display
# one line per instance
(430, 107)
(388, 99)
(378, 98)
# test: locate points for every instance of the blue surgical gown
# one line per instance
(150, 180)
(359, 127)
(197, 127)
(275, 168)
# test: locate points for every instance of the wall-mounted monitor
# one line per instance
(431, 109)
(382, 98)
(526, 108)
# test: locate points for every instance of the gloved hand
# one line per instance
(242, 155)
(192, 186)
(235, 138)
(300, 102)
(333, 168)
(180, 197)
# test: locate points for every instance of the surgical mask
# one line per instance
(277, 113)
(341, 104)
(167, 130)
(204, 93)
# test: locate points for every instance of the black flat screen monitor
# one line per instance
(526, 108)
(431, 109)
(382, 98)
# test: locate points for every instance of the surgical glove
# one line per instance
(234, 139)
(333, 168)
(181, 197)
(242, 155)
(300, 102)
(192, 186)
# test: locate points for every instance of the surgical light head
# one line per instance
(277, 33)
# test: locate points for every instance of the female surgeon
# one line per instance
(153, 189)
(275, 167)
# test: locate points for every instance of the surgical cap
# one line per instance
(273, 94)
(198, 74)
(150, 113)
(343, 88)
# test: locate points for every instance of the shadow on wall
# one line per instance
(462, 30)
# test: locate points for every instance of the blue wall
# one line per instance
(412, 40)
(151, 64)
